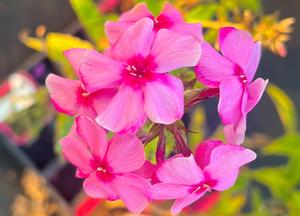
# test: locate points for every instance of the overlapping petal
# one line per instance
(125, 154)
(180, 170)
(213, 68)
(164, 99)
(173, 50)
(125, 112)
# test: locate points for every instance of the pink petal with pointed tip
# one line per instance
(180, 203)
(231, 100)
(172, 50)
(213, 68)
(225, 162)
(255, 91)
(171, 12)
(93, 136)
(235, 133)
(64, 101)
(101, 99)
(253, 62)
(166, 191)
(98, 71)
(164, 99)
(138, 12)
(125, 154)
(135, 41)
(203, 151)
(237, 46)
(223, 32)
(180, 170)
(96, 188)
(124, 115)
(75, 56)
(147, 171)
(114, 30)
(192, 29)
(76, 152)
(133, 190)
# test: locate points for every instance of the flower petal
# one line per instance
(192, 29)
(64, 101)
(236, 45)
(147, 171)
(135, 41)
(213, 67)
(180, 203)
(101, 98)
(253, 62)
(203, 151)
(172, 50)
(114, 30)
(75, 56)
(93, 136)
(123, 115)
(235, 133)
(171, 12)
(125, 153)
(96, 188)
(255, 91)
(166, 191)
(225, 162)
(180, 170)
(98, 71)
(76, 152)
(133, 190)
(164, 99)
(138, 12)
(231, 100)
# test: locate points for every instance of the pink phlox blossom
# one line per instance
(215, 167)
(107, 166)
(70, 96)
(137, 65)
(169, 18)
(232, 72)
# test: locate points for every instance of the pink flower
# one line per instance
(70, 96)
(187, 179)
(169, 18)
(233, 72)
(107, 166)
(137, 65)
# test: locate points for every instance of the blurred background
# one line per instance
(35, 179)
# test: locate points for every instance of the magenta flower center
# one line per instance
(161, 22)
(239, 72)
(139, 70)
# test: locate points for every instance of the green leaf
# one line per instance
(285, 108)
(275, 180)
(202, 12)
(90, 18)
(63, 125)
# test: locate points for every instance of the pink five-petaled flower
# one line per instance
(233, 72)
(138, 64)
(107, 166)
(70, 97)
(169, 18)
(186, 179)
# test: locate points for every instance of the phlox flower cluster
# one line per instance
(130, 83)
